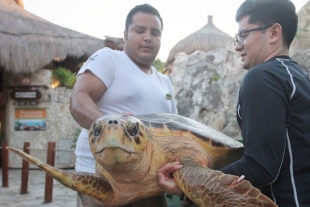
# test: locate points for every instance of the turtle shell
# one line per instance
(222, 149)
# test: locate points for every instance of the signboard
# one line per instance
(30, 119)
(26, 95)
(25, 103)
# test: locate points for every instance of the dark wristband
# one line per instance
(184, 198)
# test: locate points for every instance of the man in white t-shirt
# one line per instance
(115, 82)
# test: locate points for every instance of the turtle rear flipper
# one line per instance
(96, 187)
(209, 188)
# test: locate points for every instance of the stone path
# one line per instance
(11, 197)
(62, 196)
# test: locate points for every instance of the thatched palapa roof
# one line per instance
(206, 39)
(29, 43)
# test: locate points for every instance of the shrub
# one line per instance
(65, 77)
(75, 137)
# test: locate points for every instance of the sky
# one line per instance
(101, 18)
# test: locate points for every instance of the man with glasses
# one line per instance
(273, 111)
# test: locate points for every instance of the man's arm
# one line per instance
(264, 109)
(87, 90)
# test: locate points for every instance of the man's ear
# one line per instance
(125, 35)
(276, 33)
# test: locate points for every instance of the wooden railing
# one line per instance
(51, 148)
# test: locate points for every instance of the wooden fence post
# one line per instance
(5, 165)
(25, 171)
(49, 180)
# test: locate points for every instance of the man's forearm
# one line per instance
(84, 112)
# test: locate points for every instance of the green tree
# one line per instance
(159, 65)
(65, 77)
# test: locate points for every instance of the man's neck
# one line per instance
(278, 52)
(147, 71)
(146, 68)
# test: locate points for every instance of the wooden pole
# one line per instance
(3, 139)
(5, 165)
(48, 197)
(25, 171)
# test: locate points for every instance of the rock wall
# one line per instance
(60, 126)
(206, 87)
(300, 47)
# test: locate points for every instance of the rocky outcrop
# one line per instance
(206, 87)
(300, 48)
(206, 74)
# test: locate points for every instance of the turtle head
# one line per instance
(117, 140)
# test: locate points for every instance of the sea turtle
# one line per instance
(129, 150)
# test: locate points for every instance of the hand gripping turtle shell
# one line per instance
(129, 151)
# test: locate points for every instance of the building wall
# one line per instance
(60, 126)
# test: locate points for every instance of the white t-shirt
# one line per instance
(129, 89)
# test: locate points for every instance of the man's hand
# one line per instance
(127, 113)
(165, 179)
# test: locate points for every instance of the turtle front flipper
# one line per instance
(211, 188)
(96, 187)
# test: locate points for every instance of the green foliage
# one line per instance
(240, 140)
(75, 137)
(215, 78)
(159, 65)
(65, 77)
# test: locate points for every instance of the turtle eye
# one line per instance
(97, 128)
(133, 128)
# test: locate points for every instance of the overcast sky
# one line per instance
(107, 17)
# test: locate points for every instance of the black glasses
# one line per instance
(239, 37)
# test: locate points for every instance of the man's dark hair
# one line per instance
(269, 12)
(145, 8)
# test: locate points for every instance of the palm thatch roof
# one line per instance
(29, 43)
(206, 39)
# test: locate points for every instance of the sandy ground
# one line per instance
(11, 197)
(62, 196)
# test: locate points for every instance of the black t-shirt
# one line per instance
(274, 116)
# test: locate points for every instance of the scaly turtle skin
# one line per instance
(129, 151)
